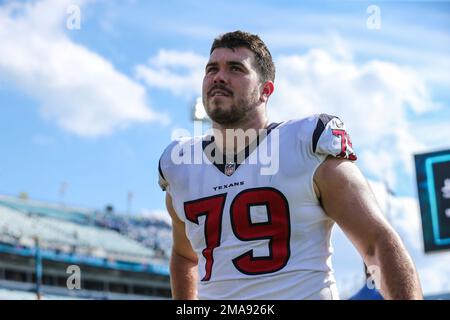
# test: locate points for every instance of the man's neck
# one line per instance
(235, 137)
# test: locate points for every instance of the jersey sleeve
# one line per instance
(330, 138)
(169, 168)
(165, 167)
(162, 181)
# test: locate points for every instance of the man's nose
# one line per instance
(220, 77)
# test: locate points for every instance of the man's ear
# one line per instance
(267, 90)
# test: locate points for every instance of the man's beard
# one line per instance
(236, 113)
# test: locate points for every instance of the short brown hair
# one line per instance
(236, 39)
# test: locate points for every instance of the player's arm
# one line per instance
(347, 198)
(183, 262)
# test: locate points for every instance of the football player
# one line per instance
(253, 204)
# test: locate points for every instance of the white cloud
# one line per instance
(405, 216)
(179, 72)
(434, 135)
(434, 273)
(78, 89)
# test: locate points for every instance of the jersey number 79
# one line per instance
(276, 229)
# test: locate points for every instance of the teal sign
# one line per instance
(433, 184)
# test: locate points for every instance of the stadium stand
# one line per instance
(120, 257)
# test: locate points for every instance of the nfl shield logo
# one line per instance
(229, 168)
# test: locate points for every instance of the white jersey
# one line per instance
(259, 235)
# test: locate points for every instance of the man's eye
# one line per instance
(234, 68)
(209, 70)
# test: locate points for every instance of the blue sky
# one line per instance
(95, 106)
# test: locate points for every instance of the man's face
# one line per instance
(231, 86)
